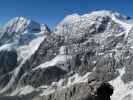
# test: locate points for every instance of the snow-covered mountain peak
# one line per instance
(23, 34)
(21, 30)
(21, 24)
(87, 48)
(76, 25)
(109, 13)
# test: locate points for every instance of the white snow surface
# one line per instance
(61, 58)
(27, 50)
(20, 25)
(76, 23)
(24, 54)
(121, 90)
(76, 78)
(24, 50)
(23, 90)
(26, 39)
(7, 47)
(58, 59)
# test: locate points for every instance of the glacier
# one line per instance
(69, 62)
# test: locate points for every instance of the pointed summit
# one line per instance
(21, 24)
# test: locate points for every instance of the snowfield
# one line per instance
(92, 47)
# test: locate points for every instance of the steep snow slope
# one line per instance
(21, 24)
(25, 36)
(76, 27)
(81, 52)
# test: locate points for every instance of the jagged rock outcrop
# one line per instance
(40, 77)
(62, 64)
(16, 29)
(8, 61)
(19, 40)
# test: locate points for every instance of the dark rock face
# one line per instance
(104, 92)
(92, 44)
(19, 34)
(82, 91)
(48, 49)
(84, 50)
(8, 61)
(4, 79)
(39, 77)
(75, 92)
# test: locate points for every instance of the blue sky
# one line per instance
(53, 11)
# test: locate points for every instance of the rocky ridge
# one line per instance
(69, 62)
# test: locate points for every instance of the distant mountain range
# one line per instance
(69, 62)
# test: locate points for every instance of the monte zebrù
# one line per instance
(69, 62)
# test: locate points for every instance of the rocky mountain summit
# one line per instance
(70, 62)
